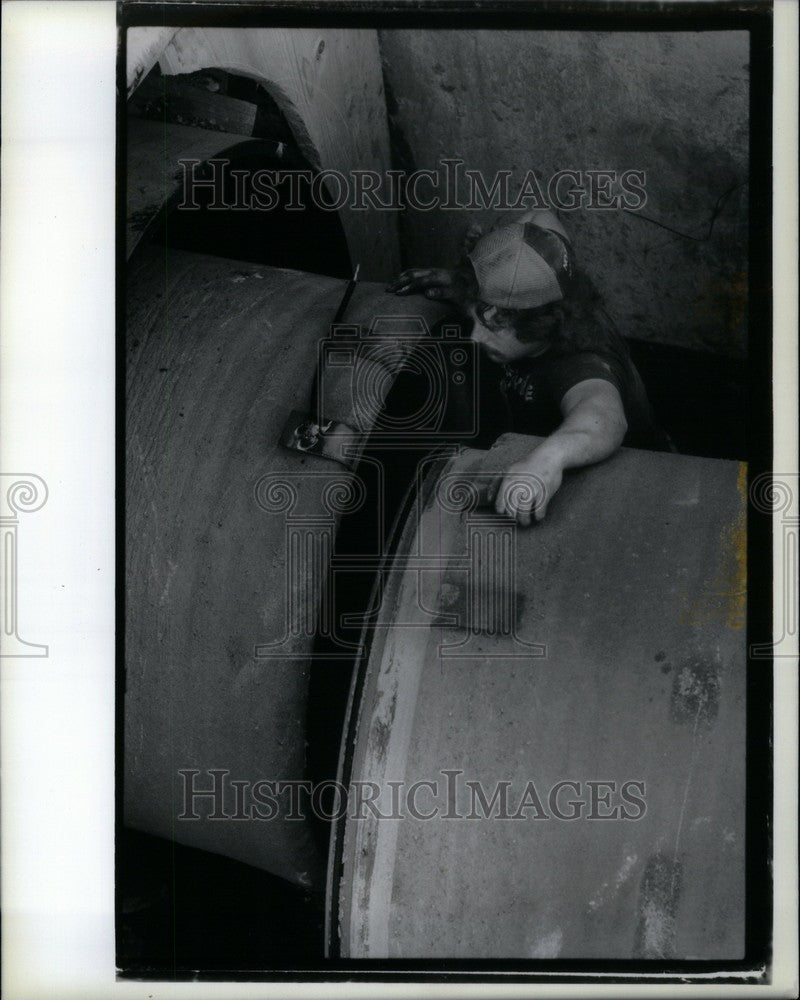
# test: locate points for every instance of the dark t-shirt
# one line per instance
(526, 396)
(533, 389)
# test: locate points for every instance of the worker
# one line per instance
(563, 370)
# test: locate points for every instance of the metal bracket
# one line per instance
(330, 439)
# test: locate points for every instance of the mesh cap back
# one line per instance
(522, 265)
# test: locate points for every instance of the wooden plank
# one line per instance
(184, 102)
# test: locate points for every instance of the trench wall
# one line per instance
(674, 104)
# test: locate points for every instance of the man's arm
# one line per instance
(593, 428)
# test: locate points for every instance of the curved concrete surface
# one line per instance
(604, 647)
(220, 622)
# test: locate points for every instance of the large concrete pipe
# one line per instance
(220, 620)
(568, 703)
(329, 86)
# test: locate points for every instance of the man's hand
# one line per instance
(529, 485)
(594, 427)
(433, 282)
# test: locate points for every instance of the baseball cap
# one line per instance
(523, 264)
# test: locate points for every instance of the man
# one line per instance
(563, 369)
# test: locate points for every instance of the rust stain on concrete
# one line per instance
(725, 600)
(735, 538)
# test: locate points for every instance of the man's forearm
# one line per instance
(593, 428)
(588, 434)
